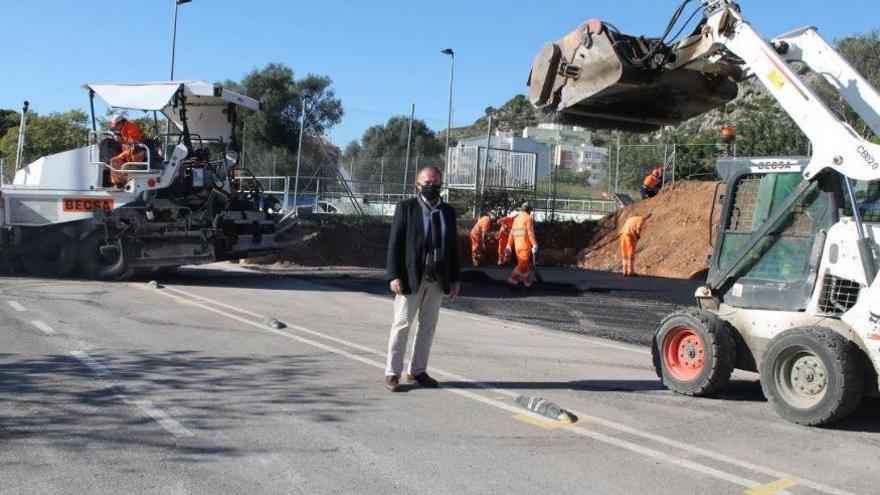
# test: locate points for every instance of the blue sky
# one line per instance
(382, 55)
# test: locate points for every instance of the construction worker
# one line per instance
(653, 183)
(131, 137)
(523, 241)
(478, 238)
(629, 239)
(505, 225)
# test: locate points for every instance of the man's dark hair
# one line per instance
(430, 168)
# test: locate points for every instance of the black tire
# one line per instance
(704, 352)
(99, 267)
(812, 375)
(51, 259)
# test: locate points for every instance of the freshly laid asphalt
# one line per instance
(123, 388)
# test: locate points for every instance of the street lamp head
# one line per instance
(181, 2)
(448, 51)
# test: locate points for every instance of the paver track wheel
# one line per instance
(693, 352)
(110, 263)
(812, 375)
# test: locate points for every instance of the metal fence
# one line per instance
(473, 168)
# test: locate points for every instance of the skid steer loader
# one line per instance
(792, 291)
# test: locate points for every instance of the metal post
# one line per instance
(382, 178)
(451, 54)
(287, 193)
(478, 191)
(674, 155)
(617, 168)
(412, 115)
(22, 123)
(272, 180)
(299, 152)
(665, 162)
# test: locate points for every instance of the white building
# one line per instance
(572, 148)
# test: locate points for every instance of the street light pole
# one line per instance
(177, 3)
(451, 53)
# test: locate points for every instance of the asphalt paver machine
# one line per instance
(192, 204)
(792, 290)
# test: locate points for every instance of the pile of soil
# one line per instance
(675, 239)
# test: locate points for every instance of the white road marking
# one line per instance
(97, 368)
(680, 446)
(46, 329)
(633, 447)
(146, 407)
(16, 306)
(170, 424)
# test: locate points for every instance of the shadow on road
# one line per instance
(58, 400)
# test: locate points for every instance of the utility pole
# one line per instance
(478, 184)
(412, 116)
(451, 54)
(177, 4)
(382, 178)
(22, 124)
(299, 152)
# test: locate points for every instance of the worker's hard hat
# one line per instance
(117, 120)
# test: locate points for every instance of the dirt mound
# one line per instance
(675, 240)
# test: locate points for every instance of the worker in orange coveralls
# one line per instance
(525, 244)
(478, 238)
(653, 183)
(629, 239)
(130, 136)
(505, 226)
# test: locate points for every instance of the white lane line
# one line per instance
(16, 306)
(633, 447)
(681, 446)
(170, 424)
(46, 329)
(146, 407)
(97, 368)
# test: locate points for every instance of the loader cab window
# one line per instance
(867, 197)
(780, 271)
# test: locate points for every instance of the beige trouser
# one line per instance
(426, 304)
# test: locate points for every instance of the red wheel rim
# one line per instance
(684, 353)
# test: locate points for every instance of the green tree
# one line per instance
(862, 51)
(45, 135)
(381, 153)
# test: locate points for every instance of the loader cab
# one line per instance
(780, 270)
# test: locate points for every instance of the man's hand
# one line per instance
(508, 251)
(534, 249)
(454, 290)
(396, 286)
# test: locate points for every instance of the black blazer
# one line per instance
(406, 247)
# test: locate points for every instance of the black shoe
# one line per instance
(392, 383)
(512, 287)
(423, 379)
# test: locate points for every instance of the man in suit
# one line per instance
(422, 267)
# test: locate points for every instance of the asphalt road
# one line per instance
(122, 388)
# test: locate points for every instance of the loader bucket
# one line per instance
(593, 78)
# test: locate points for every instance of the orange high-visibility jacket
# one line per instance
(506, 224)
(651, 181)
(481, 227)
(632, 228)
(523, 233)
